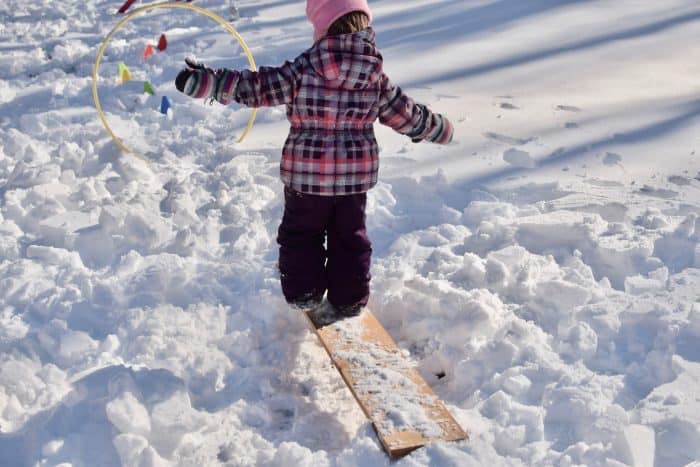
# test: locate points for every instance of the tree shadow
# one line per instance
(537, 55)
(685, 114)
(434, 199)
(449, 21)
(251, 10)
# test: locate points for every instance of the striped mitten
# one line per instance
(196, 80)
(432, 127)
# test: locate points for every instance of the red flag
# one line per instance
(126, 6)
(162, 43)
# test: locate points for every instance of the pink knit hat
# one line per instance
(322, 13)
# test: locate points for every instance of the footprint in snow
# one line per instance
(679, 180)
(507, 139)
(610, 159)
(657, 192)
(603, 183)
(567, 108)
(519, 158)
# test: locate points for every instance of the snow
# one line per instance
(542, 270)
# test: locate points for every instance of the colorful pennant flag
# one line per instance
(124, 74)
(162, 43)
(148, 89)
(148, 51)
(164, 105)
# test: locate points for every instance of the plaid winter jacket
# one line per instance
(334, 92)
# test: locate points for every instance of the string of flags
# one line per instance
(162, 45)
(125, 73)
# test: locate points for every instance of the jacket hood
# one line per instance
(349, 61)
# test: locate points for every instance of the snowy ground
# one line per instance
(547, 263)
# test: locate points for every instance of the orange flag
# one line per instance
(148, 51)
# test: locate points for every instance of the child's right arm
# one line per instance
(409, 118)
(268, 86)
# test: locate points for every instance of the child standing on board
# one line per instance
(334, 91)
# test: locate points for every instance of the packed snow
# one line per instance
(542, 271)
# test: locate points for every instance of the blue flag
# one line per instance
(164, 105)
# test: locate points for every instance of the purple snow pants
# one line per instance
(324, 247)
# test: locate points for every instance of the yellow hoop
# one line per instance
(144, 9)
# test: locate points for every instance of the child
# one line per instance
(334, 92)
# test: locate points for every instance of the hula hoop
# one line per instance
(145, 9)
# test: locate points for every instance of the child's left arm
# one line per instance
(417, 121)
(269, 86)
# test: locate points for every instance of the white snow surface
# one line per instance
(543, 270)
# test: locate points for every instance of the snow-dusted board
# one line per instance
(404, 410)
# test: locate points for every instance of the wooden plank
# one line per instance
(403, 409)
